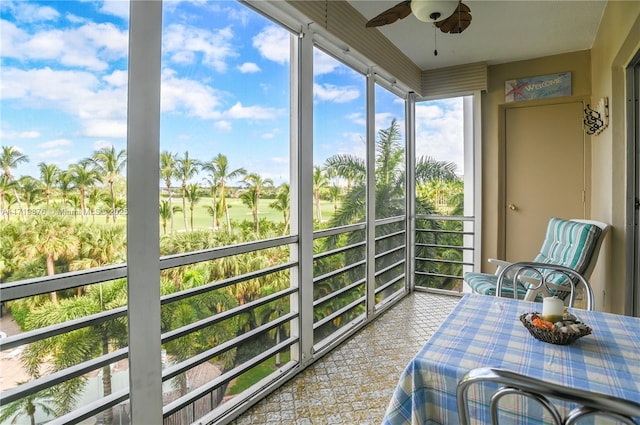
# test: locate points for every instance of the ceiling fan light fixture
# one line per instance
(433, 11)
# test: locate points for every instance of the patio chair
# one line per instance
(571, 243)
(543, 280)
(584, 404)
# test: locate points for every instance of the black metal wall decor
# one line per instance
(596, 120)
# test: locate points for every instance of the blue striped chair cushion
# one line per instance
(567, 243)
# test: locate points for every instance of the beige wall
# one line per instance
(616, 43)
(596, 73)
(578, 63)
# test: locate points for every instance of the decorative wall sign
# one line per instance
(540, 87)
(596, 120)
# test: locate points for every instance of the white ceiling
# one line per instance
(500, 31)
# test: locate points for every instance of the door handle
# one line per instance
(512, 207)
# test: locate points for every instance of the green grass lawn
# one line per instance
(255, 374)
(201, 219)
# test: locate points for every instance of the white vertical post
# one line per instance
(371, 195)
(143, 229)
(302, 192)
(410, 195)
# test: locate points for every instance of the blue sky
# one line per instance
(225, 88)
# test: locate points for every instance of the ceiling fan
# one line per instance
(451, 16)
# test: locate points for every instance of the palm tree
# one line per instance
(193, 194)
(51, 236)
(255, 185)
(186, 168)
(5, 189)
(167, 173)
(219, 169)
(320, 183)
(110, 164)
(94, 197)
(71, 348)
(49, 174)
(10, 158)
(30, 189)
(65, 184)
(27, 406)
(83, 179)
(281, 203)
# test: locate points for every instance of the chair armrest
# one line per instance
(500, 264)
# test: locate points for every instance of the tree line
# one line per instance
(48, 244)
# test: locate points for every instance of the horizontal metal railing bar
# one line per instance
(389, 220)
(445, 217)
(60, 328)
(339, 292)
(39, 384)
(389, 267)
(436, 260)
(390, 251)
(207, 355)
(201, 391)
(46, 284)
(224, 315)
(390, 235)
(324, 233)
(91, 409)
(389, 283)
(429, 245)
(445, 232)
(338, 313)
(338, 250)
(338, 271)
(438, 275)
(184, 259)
(212, 286)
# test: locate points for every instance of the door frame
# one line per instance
(502, 160)
(632, 222)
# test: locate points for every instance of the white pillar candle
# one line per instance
(552, 309)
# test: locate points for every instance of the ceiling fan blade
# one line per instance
(389, 16)
(457, 22)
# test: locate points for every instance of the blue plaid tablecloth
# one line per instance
(485, 331)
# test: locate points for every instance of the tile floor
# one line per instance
(353, 384)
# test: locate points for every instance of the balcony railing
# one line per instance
(243, 324)
(444, 251)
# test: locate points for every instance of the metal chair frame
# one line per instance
(589, 403)
(538, 281)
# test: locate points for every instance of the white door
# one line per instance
(544, 173)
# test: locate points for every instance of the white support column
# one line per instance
(410, 196)
(371, 195)
(143, 234)
(302, 191)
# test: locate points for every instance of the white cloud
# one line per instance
(89, 46)
(55, 143)
(117, 78)
(52, 154)
(188, 96)
(223, 125)
(16, 135)
(336, 94)
(358, 118)
(273, 43)
(104, 128)
(183, 44)
(28, 12)
(323, 63)
(118, 8)
(248, 67)
(439, 131)
(238, 111)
